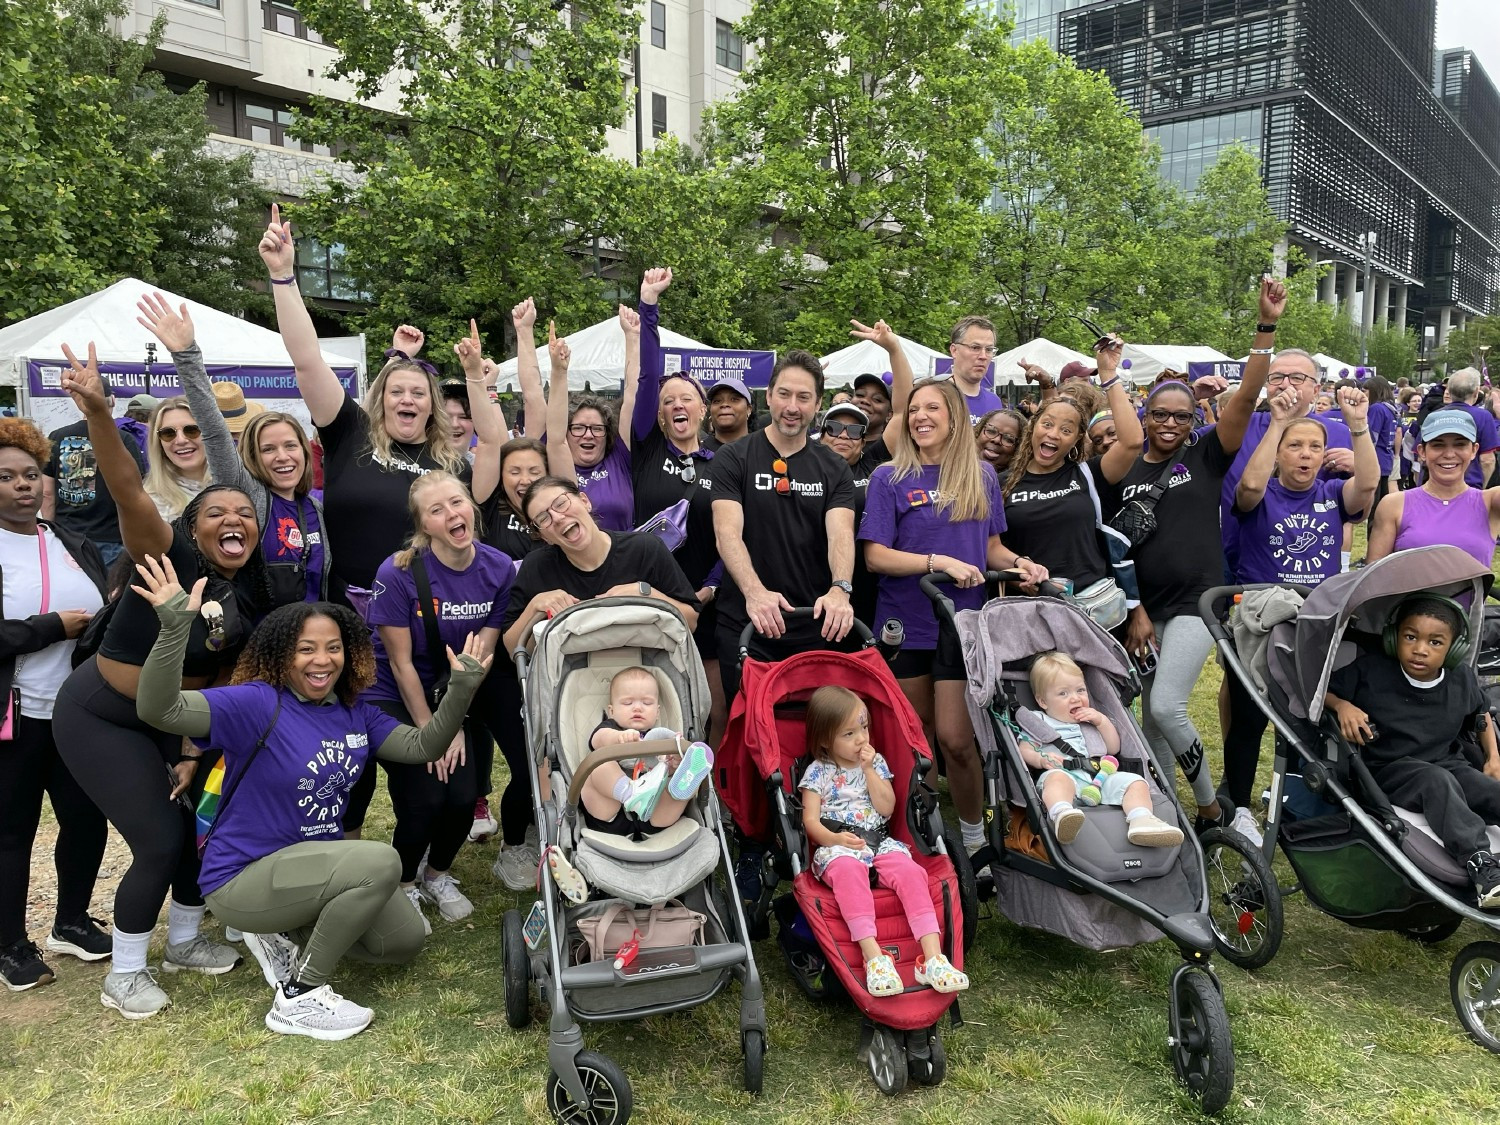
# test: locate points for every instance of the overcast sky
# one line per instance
(1474, 24)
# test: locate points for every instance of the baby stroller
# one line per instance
(1099, 891)
(1358, 857)
(760, 761)
(565, 682)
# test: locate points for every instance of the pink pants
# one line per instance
(849, 879)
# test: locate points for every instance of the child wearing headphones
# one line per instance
(1407, 708)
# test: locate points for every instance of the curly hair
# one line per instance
(22, 434)
(268, 656)
(1027, 445)
(259, 585)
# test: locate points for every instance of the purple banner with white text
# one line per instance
(1233, 370)
(709, 365)
(44, 379)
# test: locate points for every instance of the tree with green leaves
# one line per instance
(1462, 348)
(103, 169)
(1393, 352)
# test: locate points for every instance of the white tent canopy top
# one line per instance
(598, 358)
(1147, 361)
(1334, 368)
(1042, 352)
(842, 367)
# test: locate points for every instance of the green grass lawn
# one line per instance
(1343, 1026)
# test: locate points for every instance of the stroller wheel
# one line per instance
(1431, 935)
(926, 1061)
(1202, 1050)
(1244, 902)
(517, 965)
(605, 1085)
(887, 1058)
(755, 1060)
(968, 887)
(1474, 985)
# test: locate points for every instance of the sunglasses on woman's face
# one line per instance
(844, 429)
(169, 433)
(557, 507)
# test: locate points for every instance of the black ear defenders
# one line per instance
(1458, 651)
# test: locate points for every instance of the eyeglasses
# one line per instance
(169, 433)
(980, 349)
(990, 433)
(1295, 378)
(1162, 417)
(782, 484)
(844, 429)
(557, 507)
(579, 429)
(689, 473)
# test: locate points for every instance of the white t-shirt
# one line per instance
(40, 674)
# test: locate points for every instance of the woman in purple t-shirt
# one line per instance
(936, 508)
(295, 736)
(596, 451)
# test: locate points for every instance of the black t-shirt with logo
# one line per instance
(785, 534)
(504, 530)
(633, 557)
(1185, 555)
(661, 480)
(365, 500)
(874, 455)
(83, 502)
(1049, 518)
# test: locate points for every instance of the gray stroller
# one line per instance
(565, 683)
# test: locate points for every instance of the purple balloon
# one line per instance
(1125, 363)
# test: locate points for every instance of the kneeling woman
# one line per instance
(275, 864)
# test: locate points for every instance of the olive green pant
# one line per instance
(332, 898)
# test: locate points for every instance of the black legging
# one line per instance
(432, 816)
(1247, 724)
(29, 766)
(122, 764)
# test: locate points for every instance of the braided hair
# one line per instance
(268, 655)
(258, 587)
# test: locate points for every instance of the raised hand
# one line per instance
(654, 283)
(1354, 405)
(470, 352)
(630, 321)
(276, 248)
(1035, 372)
(1107, 356)
(523, 316)
(490, 370)
(409, 340)
(879, 333)
(558, 348)
(173, 329)
(83, 384)
(1283, 404)
(473, 648)
(161, 585)
(1272, 300)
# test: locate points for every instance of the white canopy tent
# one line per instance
(842, 367)
(1334, 368)
(1042, 352)
(598, 358)
(1147, 361)
(107, 319)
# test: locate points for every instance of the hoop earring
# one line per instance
(1192, 439)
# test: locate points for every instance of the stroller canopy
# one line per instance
(1365, 599)
(1013, 628)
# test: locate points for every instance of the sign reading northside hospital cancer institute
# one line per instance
(709, 365)
(44, 379)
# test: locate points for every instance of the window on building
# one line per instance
(658, 114)
(729, 48)
(269, 123)
(321, 273)
(658, 24)
(282, 16)
(205, 3)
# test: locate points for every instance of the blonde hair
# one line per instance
(250, 451)
(635, 671)
(163, 482)
(960, 476)
(827, 709)
(420, 540)
(1047, 668)
(438, 441)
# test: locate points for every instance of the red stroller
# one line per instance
(760, 761)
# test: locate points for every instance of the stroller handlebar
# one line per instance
(804, 613)
(1213, 607)
(943, 604)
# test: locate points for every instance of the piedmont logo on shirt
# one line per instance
(766, 482)
(1137, 489)
(1036, 494)
(328, 776)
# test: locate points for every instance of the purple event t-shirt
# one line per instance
(1293, 536)
(297, 786)
(902, 515)
(981, 404)
(609, 489)
(468, 601)
(287, 541)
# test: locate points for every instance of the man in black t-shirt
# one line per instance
(76, 496)
(784, 519)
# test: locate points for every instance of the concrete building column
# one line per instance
(1350, 287)
(1278, 257)
(1398, 315)
(1445, 321)
(1382, 302)
(1328, 284)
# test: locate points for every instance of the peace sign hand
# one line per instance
(470, 352)
(173, 329)
(83, 384)
(880, 333)
(276, 248)
(557, 348)
(161, 585)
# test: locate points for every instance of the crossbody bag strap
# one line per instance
(250, 761)
(429, 610)
(1157, 490)
(41, 546)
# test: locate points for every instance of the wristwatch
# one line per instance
(645, 588)
(847, 587)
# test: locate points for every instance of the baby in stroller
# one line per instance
(847, 800)
(1408, 707)
(1069, 770)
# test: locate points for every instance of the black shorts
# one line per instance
(621, 824)
(945, 662)
(703, 635)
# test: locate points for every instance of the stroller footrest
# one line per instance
(655, 964)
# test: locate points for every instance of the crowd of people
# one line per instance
(198, 583)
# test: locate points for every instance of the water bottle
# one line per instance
(892, 636)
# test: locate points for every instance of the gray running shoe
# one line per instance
(136, 996)
(319, 1014)
(414, 896)
(516, 866)
(200, 956)
(444, 894)
(277, 955)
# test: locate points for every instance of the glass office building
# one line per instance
(1358, 126)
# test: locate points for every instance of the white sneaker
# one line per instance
(136, 996)
(1150, 831)
(1245, 824)
(645, 791)
(414, 896)
(516, 866)
(484, 825)
(444, 894)
(277, 955)
(319, 1014)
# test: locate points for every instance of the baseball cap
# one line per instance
(869, 378)
(148, 403)
(1458, 422)
(734, 384)
(1076, 369)
(847, 408)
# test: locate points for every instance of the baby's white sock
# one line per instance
(1140, 810)
(1058, 809)
(622, 789)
